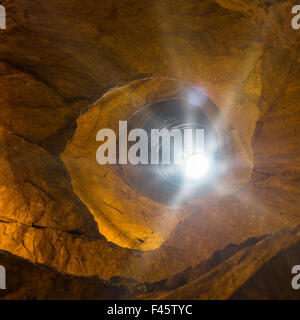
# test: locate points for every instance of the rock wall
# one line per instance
(62, 62)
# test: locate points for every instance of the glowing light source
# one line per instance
(196, 166)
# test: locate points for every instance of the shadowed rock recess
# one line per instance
(72, 229)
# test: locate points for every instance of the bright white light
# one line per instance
(196, 98)
(196, 166)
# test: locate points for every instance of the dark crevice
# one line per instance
(37, 227)
(114, 208)
(75, 232)
(192, 273)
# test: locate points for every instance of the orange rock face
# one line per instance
(71, 68)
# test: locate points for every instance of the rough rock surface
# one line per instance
(236, 272)
(58, 59)
(26, 280)
(258, 268)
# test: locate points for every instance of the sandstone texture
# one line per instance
(69, 68)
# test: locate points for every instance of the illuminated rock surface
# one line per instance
(235, 272)
(61, 63)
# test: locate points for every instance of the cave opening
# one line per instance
(199, 170)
